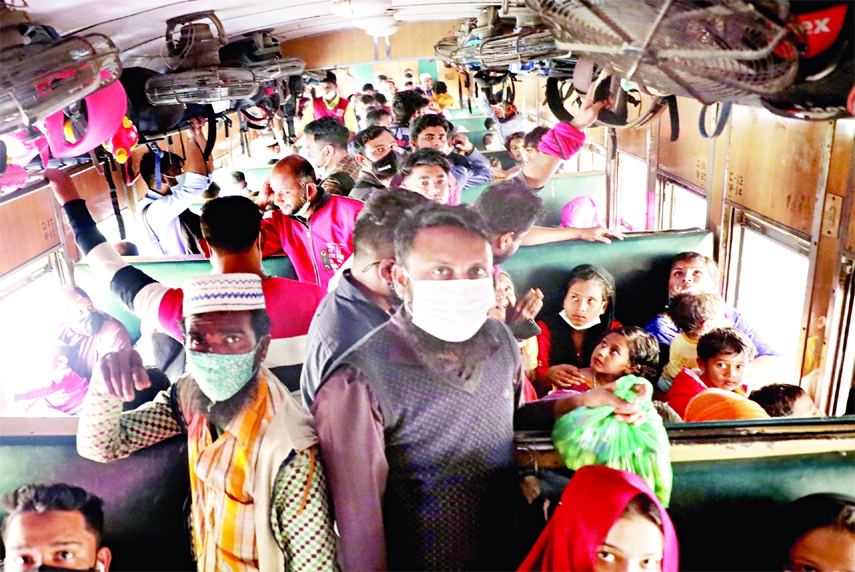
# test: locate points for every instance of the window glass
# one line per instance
(771, 293)
(632, 189)
(683, 207)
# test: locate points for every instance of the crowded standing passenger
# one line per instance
(379, 116)
(441, 96)
(258, 492)
(469, 165)
(427, 172)
(406, 106)
(375, 151)
(326, 149)
(330, 104)
(311, 226)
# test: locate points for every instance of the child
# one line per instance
(724, 355)
(607, 520)
(784, 400)
(623, 351)
(567, 340)
(66, 390)
(695, 314)
(491, 142)
(818, 534)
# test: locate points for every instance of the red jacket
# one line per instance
(319, 246)
(321, 110)
(688, 384)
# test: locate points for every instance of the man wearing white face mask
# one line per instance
(326, 149)
(330, 104)
(416, 422)
(173, 186)
(258, 492)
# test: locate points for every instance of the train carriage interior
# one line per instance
(726, 128)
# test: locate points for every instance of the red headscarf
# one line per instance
(592, 503)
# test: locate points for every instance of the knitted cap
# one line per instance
(222, 293)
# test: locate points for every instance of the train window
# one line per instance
(682, 207)
(590, 158)
(839, 398)
(632, 193)
(769, 285)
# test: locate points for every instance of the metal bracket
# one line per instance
(831, 214)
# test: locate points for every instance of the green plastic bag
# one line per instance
(592, 436)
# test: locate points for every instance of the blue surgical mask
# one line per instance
(220, 376)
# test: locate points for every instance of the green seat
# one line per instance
(503, 156)
(171, 272)
(470, 123)
(477, 137)
(559, 191)
(640, 264)
(255, 177)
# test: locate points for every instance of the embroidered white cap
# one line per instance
(222, 293)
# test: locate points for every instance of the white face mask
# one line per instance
(451, 310)
(591, 324)
(329, 95)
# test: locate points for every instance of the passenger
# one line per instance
(491, 142)
(690, 270)
(567, 341)
(311, 226)
(427, 85)
(231, 227)
(363, 104)
(66, 389)
(408, 86)
(259, 496)
(490, 124)
(469, 165)
(724, 358)
(695, 313)
(53, 527)
(784, 400)
(363, 298)
(326, 149)
(239, 185)
(515, 146)
(375, 150)
(157, 382)
(368, 89)
(427, 172)
(378, 116)
(330, 104)
(819, 534)
(126, 248)
(406, 106)
(416, 422)
(170, 196)
(532, 140)
(607, 520)
(506, 114)
(441, 96)
(581, 212)
(510, 211)
(722, 405)
(626, 350)
(90, 332)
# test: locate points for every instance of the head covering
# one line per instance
(592, 503)
(720, 405)
(424, 76)
(223, 293)
(594, 334)
(581, 212)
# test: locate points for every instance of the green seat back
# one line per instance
(502, 156)
(477, 137)
(640, 263)
(470, 123)
(171, 272)
(559, 191)
(255, 177)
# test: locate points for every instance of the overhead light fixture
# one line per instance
(375, 22)
(360, 8)
(381, 32)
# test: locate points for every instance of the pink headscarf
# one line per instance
(592, 503)
(581, 212)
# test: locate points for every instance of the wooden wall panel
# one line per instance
(30, 228)
(687, 157)
(842, 156)
(355, 46)
(775, 165)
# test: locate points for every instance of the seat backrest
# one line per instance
(470, 123)
(476, 137)
(255, 177)
(144, 495)
(559, 191)
(503, 156)
(172, 271)
(640, 265)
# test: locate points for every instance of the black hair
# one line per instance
(238, 177)
(212, 192)
(375, 115)
(382, 77)
(690, 310)
(712, 267)
(381, 99)
(405, 104)
(409, 83)
(422, 158)
(126, 248)
(812, 512)
(432, 215)
(643, 505)
(643, 351)
(231, 223)
(329, 77)
(777, 399)
(368, 87)
(328, 131)
(727, 341)
(598, 274)
(366, 135)
(419, 124)
(146, 167)
(509, 207)
(43, 498)
(440, 87)
(484, 139)
(533, 137)
(384, 209)
(367, 98)
(511, 137)
(489, 122)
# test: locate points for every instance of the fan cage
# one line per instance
(711, 51)
(201, 86)
(498, 52)
(276, 69)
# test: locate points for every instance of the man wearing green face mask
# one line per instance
(259, 494)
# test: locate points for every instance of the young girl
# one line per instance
(567, 340)
(607, 520)
(818, 534)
